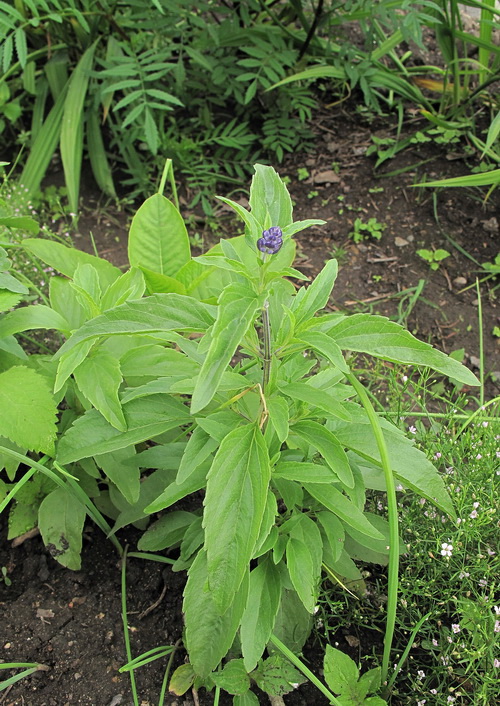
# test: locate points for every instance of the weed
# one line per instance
(365, 230)
(433, 257)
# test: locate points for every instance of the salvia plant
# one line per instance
(216, 374)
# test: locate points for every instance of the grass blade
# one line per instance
(72, 126)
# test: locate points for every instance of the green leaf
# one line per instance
(316, 296)
(146, 418)
(158, 283)
(167, 531)
(64, 301)
(176, 491)
(304, 472)
(182, 679)
(27, 318)
(233, 678)
(315, 397)
(72, 125)
(99, 378)
(377, 336)
(293, 623)
(276, 676)
(70, 361)
(409, 465)
(325, 346)
(10, 283)
(327, 444)
(235, 501)
(333, 500)
(278, 415)
(341, 673)
(158, 239)
(60, 519)
(205, 626)
(130, 285)
(66, 259)
(333, 531)
(303, 558)
(198, 448)
(22, 518)
(157, 313)
(369, 682)
(269, 198)
(260, 612)
(125, 476)
(32, 411)
(238, 306)
(246, 699)
(20, 223)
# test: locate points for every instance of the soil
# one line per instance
(70, 622)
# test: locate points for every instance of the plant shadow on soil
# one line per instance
(71, 621)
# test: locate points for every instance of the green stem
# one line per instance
(167, 674)
(405, 654)
(126, 637)
(307, 672)
(481, 345)
(266, 334)
(392, 591)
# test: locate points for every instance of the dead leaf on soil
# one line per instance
(44, 613)
(352, 640)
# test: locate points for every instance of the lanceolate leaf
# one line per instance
(258, 619)
(72, 125)
(382, 338)
(157, 313)
(333, 500)
(410, 466)
(66, 259)
(146, 418)
(316, 398)
(158, 239)
(325, 346)
(27, 409)
(37, 316)
(209, 635)
(303, 559)
(234, 507)
(316, 296)
(99, 378)
(60, 519)
(329, 447)
(126, 476)
(269, 198)
(237, 308)
(198, 449)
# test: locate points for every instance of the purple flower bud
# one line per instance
(271, 240)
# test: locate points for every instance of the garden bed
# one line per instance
(71, 621)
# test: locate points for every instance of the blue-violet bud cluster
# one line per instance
(271, 240)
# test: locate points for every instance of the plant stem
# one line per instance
(302, 667)
(392, 591)
(266, 334)
(126, 637)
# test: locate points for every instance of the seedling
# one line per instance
(433, 257)
(5, 577)
(363, 231)
(302, 174)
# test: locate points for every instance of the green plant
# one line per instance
(433, 257)
(113, 81)
(224, 378)
(5, 577)
(363, 231)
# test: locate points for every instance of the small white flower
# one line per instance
(497, 626)
(412, 430)
(421, 674)
(455, 628)
(446, 549)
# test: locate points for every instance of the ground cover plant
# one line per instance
(86, 81)
(273, 436)
(449, 574)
